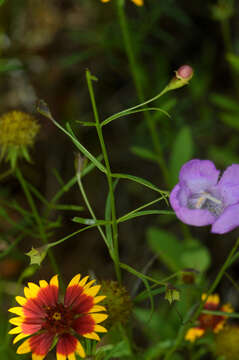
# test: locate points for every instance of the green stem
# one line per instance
(134, 67)
(36, 216)
(83, 193)
(108, 175)
(184, 327)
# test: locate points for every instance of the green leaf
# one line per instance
(195, 255)
(90, 221)
(223, 156)
(82, 149)
(141, 181)
(144, 153)
(233, 60)
(2, 2)
(118, 351)
(145, 212)
(182, 151)
(125, 113)
(167, 246)
(231, 120)
(225, 102)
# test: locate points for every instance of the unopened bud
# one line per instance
(185, 72)
(172, 294)
(182, 76)
(189, 275)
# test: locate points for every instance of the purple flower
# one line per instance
(201, 198)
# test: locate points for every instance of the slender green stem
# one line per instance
(236, 286)
(108, 175)
(35, 213)
(134, 67)
(185, 326)
(58, 242)
(82, 190)
(122, 218)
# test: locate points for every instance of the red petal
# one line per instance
(84, 304)
(33, 308)
(72, 295)
(48, 296)
(84, 325)
(66, 345)
(40, 344)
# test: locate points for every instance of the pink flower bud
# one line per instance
(181, 77)
(185, 72)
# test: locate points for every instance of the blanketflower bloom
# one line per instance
(136, 2)
(201, 198)
(45, 320)
(206, 322)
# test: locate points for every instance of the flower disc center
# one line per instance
(58, 319)
(206, 201)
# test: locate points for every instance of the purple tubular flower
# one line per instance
(201, 198)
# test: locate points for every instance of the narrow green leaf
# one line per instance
(128, 112)
(231, 120)
(83, 149)
(225, 102)
(86, 221)
(144, 153)
(143, 213)
(141, 181)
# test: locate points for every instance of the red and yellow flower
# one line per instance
(208, 321)
(136, 2)
(43, 319)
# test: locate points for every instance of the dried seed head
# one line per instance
(17, 133)
(117, 302)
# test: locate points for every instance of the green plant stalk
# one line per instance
(109, 178)
(184, 327)
(82, 190)
(134, 70)
(38, 220)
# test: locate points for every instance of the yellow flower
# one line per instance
(209, 321)
(17, 133)
(136, 2)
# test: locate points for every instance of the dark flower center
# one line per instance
(205, 200)
(208, 321)
(58, 319)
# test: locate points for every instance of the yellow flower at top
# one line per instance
(208, 321)
(136, 2)
(17, 133)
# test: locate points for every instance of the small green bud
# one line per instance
(171, 294)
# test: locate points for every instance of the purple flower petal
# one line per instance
(228, 221)
(196, 217)
(230, 176)
(229, 185)
(198, 175)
